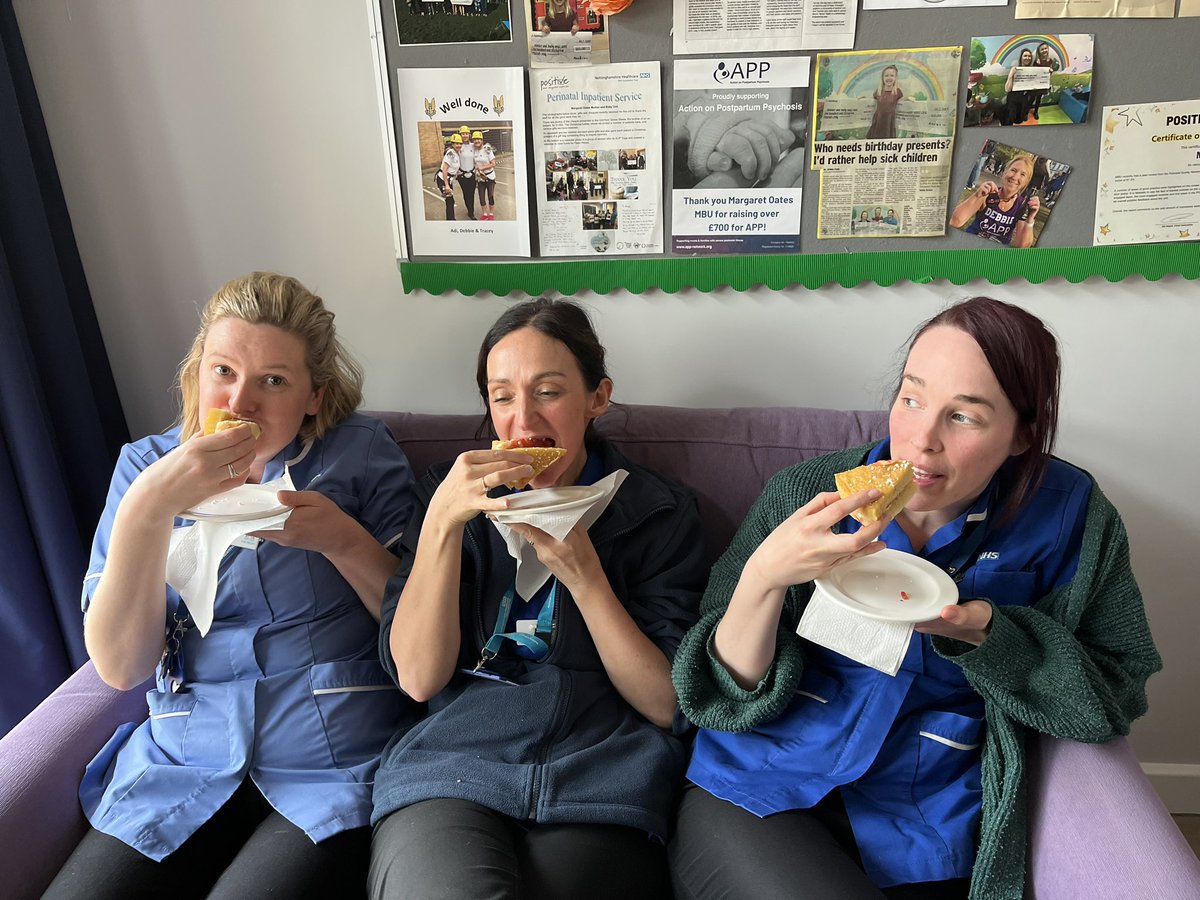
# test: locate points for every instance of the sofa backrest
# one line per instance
(725, 456)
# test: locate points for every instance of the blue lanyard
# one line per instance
(537, 645)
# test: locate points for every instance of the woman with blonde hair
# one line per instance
(252, 775)
(561, 15)
(1004, 212)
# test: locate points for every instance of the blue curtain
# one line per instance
(61, 424)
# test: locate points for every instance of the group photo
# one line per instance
(467, 171)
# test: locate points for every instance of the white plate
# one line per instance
(246, 501)
(875, 586)
(548, 500)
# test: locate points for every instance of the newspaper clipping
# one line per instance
(757, 26)
(739, 133)
(883, 139)
(464, 161)
(597, 137)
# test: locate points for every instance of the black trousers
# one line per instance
(719, 850)
(467, 183)
(440, 180)
(245, 851)
(455, 849)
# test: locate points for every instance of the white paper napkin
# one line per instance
(197, 550)
(531, 573)
(872, 642)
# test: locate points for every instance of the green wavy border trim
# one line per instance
(638, 274)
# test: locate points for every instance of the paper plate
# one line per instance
(246, 501)
(890, 585)
(548, 500)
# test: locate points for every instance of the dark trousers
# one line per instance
(245, 851)
(467, 183)
(447, 192)
(719, 850)
(454, 849)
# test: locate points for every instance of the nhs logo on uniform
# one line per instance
(987, 554)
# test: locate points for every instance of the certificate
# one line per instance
(1148, 187)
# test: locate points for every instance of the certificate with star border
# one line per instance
(1148, 188)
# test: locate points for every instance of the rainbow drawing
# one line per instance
(1010, 51)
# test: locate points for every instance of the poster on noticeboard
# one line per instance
(883, 139)
(465, 161)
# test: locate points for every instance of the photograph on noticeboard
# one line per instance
(565, 33)
(1010, 195)
(1029, 79)
(452, 21)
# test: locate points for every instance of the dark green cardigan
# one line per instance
(1074, 665)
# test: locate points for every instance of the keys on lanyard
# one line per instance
(538, 644)
(170, 666)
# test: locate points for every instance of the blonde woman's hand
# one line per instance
(194, 471)
(317, 523)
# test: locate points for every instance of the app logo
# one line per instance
(745, 71)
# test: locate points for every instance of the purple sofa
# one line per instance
(1099, 830)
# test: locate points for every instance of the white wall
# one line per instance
(198, 141)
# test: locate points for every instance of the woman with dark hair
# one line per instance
(812, 769)
(1017, 103)
(549, 760)
(1043, 60)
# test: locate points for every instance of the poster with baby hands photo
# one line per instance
(739, 132)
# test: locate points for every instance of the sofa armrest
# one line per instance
(1098, 829)
(41, 764)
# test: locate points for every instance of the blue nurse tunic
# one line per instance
(286, 687)
(905, 751)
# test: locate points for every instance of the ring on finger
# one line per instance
(233, 473)
(483, 481)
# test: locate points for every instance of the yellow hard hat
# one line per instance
(456, 138)
(464, 129)
(477, 134)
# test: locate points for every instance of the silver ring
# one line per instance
(233, 473)
(483, 481)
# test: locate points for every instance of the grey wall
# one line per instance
(199, 141)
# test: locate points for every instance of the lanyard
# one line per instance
(534, 643)
(170, 666)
